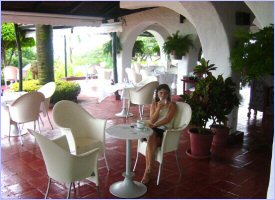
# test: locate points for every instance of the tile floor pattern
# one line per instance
(239, 171)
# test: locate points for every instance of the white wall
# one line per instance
(162, 22)
(263, 10)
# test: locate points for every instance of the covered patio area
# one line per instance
(241, 170)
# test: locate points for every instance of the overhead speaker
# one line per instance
(242, 18)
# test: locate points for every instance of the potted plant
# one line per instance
(253, 54)
(178, 45)
(200, 136)
(223, 98)
(107, 47)
(253, 58)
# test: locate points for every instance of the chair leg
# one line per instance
(38, 126)
(140, 112)
(9, 130)
(136, 161)
(49, 121)
(69, 191)
(20, 137)
(160, 168)
(128, 109)
(106, 162)
(34, 125)
(177, 159)
(41, 120)
(48, 188)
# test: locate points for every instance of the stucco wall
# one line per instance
(263, 10)
(162, 21)
(208, 25)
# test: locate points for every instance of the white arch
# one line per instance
(263, 10)
(128, 40)
(208, 25)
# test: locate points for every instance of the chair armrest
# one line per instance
(84, 165)
(170, 140)
(70, 138)
(175, 129)
(62, 142)
(88, 153)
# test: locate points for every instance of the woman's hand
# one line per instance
(161, 104)
(151, 125)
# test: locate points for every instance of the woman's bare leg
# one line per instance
(152, 145)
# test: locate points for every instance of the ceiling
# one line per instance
(104, 9)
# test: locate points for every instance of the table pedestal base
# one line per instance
(123, 113)
(128, 189)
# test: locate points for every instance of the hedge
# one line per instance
(65, 90)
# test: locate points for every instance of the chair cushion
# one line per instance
(85, 144)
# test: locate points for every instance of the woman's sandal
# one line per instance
(146, 178)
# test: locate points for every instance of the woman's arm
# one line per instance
(154, 112)
(171, 112)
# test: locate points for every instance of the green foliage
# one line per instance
(8, 32)
(91, 57)
(28, 86)
(222, 99)
(144, 48)
(213, 98)
(65, 90)
(107, 47)
(8, 41)
(28, 56)
(253, 54)
(204, 68)
(199, 101)
(138, 48)
(178, 45)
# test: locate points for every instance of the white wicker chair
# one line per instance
(83, 131)
(142, 96)
(48, 90)
(26, 109)
(171, 137)
(64, 167)
(10, 74)
(133, 76)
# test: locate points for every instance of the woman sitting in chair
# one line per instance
(162, 111)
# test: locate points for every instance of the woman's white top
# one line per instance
(162, 114)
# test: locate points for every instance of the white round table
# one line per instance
(128, 188)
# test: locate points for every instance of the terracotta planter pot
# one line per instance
(220, 135)
(200, 144)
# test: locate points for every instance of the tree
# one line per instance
(45, 58)
(8, 41)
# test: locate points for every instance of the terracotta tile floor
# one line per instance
(241, 170)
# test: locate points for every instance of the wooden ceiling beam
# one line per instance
(108, 9)
(75, 6)
(37, 5)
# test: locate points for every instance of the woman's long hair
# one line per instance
(160, 87)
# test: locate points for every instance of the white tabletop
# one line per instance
(125, 132)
